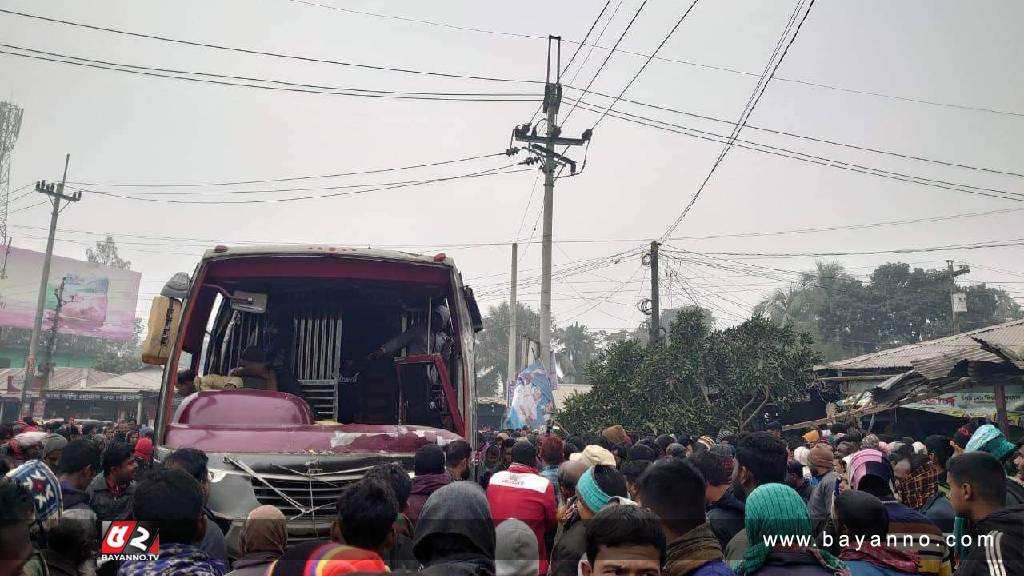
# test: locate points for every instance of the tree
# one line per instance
(700, 380)
(895, 306)
(106, 254)
(578, 348)
(492, 344)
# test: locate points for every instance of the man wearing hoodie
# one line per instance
(522, 493)
(977, 490)
(863, 524)
(674, 490)
(455, 535)
(516, 549)
(428, 465)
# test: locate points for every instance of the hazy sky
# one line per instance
(129, 128)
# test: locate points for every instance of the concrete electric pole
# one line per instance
(56, 194)
(543, 146)
(655, 298)
(51, 340)
(513, 326)
(957, 300)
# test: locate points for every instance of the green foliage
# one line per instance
(106, 254)
(701, 380)
(896, 306)
(492, 344)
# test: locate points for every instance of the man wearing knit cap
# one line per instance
(596, 489)
(594, 455)
(615, 434)
(870, 471)
(989, 439)
(823, 480)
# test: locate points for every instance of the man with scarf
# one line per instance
(781, 542)
(24, 446)
(863, 525)
(171, 502)
(920, 486)
(455, 535)
(674, 490)
(112, 492)
(870, 471)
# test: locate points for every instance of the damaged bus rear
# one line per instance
(296, 369)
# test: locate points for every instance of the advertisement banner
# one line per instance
(978, 402)
(531, 400)
(99, 302)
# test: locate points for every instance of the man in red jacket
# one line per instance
(522, 493)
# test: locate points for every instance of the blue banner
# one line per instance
(530, 401)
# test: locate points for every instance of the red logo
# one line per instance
(129, 540)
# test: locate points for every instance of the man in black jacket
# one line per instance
(78, 465)
(112, 493)
(977, 490)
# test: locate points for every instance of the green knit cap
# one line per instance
(777, 510)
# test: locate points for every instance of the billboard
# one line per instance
(99, 302)
(531, 400)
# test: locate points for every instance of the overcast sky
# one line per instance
(130, 128)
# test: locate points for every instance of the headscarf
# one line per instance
(144, 449)
(24, 441)
(812, 437)
(990, 439)
(44, 487)
(869, 462)
(590, 493)
(53, 442)
(920, 486)
(707, 441)
(777, 510)
(266, 530)
(870, 441)
(820, 456)
(800, 455)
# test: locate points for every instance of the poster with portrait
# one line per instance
(530, 401)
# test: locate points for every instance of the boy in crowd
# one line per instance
(626, 541)
(977, 491)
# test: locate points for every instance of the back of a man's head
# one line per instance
(764, 456)
(457, 452)
(569, 474)
(366, 512)
(674, 490)
(610, 481)
(715, 468)
(642, 452)
(552, 450)
(862, 514)
(172, 501)
(983, 473)
(524, 453)
(939, 446)
(429, 459)
(397, 478)
(79, 455)
(191, 461)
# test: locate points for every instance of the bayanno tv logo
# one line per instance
(128, 540)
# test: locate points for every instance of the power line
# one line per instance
(944, 248)
(805, 157)
(290, 178)
(809, 83)
(751, 104)
(861, 148)
(587, 35)
(254, 52)
(608, 57)
(646, 62)
(379, 188)
(261, 83)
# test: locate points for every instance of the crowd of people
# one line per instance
(835, 501)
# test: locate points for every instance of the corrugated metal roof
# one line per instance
(963, 345)
(61, 379)
(148, 379)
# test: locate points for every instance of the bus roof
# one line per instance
(368, 253)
